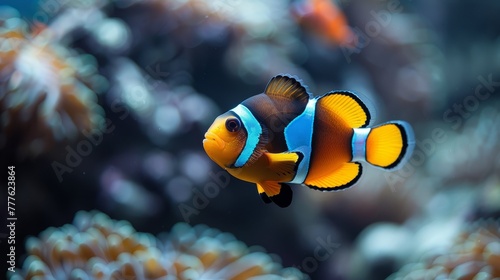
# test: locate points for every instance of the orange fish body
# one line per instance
(326, 20)
(283, 137)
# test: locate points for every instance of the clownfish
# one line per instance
(325, 19)
(284, 137)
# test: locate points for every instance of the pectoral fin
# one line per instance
(283, 164)
(279, 193)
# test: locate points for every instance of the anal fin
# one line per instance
(343, 177)
(279, 193)
(263, 195)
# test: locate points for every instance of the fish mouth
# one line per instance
(214, 138)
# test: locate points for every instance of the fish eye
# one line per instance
(233, 124)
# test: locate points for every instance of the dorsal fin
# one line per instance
(287, 87)
(347, 106)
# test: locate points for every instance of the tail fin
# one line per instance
(390, 145)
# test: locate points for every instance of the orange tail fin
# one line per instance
(390, 145)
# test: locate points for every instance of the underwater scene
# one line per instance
(239, 139)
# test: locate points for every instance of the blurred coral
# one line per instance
(256, 32)
(96, 247)
(475, 254)
(394, 48)
(245, 34)
(471, 152)
(373, 199)
(46, 91)
(162, 110)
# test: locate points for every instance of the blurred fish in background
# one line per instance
(327, 20)
(103, 105)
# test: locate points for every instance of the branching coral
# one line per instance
(474, 255)
(96, 247)
(46, 91)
